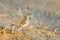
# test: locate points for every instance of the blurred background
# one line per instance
(46, 12)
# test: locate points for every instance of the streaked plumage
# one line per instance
(25, 22)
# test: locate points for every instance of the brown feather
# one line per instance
(23, 21)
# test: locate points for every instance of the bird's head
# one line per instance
(29, 16)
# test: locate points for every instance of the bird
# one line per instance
(25, 22)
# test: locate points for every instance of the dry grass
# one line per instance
(6, 34)
(24, 35)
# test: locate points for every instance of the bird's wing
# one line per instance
(23, 21)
